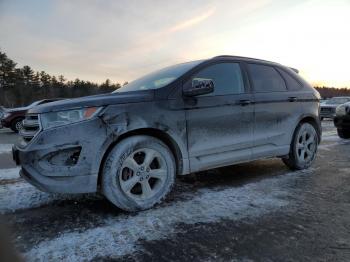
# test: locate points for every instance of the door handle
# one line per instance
(292, 99)
(245, 102)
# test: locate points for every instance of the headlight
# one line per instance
(342, 110)
(54, 119)
(6, 115)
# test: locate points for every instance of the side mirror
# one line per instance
(200, 86)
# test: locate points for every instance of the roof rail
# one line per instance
(242, 57)
(295, 70)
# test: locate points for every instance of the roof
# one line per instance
(250, 59)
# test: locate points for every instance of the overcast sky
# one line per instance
(123, 39)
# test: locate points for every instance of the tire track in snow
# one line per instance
(119, 236)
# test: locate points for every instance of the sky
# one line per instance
(124, 39)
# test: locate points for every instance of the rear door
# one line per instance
(220, 124)
(276, 111)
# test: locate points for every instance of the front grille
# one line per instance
(31, 127)
(328, 109)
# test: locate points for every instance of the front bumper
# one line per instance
(342, 122)
(327, 114)
(4, 123)
(64, 159)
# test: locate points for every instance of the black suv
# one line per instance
(131, 144)
(342, 120)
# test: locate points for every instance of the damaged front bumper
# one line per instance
(64, 159)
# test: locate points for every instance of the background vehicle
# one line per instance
(130, 144)
(342, 120)
(329, 106)
(13, 117)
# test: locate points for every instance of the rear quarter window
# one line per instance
(292, 83)
(266, 78)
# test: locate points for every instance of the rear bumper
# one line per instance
(342, 122)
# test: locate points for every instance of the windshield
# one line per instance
(159, 78)
(34, 103)
(337, 100)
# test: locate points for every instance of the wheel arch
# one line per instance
(153, 132)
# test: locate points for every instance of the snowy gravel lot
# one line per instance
(255, 211)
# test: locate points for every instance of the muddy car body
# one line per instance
(190, 122)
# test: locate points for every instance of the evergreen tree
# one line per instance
(28, 75)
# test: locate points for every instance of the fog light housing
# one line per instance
(65, 157)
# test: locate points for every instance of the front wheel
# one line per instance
(138, 173)
(303, 148)
(17, 125)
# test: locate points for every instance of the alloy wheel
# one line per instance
(143, 174)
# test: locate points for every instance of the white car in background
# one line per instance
(328, 107)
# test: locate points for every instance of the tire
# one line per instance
(16, 125)
(343, 133)
(303, 148)
(138, 173)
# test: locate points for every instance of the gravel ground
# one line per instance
(258, 211)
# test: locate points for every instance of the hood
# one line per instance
(16, 109)
(96, 100)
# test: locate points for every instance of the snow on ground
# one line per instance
(5, 130)
(5, 148)
(120, 235)
(21, 195)
(11, 173)
(18, 194)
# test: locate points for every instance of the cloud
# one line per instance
(193, 21)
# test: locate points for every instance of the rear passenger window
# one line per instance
(292, 84)
(227, 78)
(266, 78)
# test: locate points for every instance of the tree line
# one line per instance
(328, 92)
(21, 86)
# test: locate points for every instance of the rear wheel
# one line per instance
(344, 133)
(138, 173)
(17, 125)
(303, 148)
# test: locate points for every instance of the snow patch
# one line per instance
(5, 148)
(331, 138)
(329, 133)
(120, 235)
(11, 173)
(22, 195)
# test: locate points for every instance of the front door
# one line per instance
(220, 124)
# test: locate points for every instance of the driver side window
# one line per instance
(227, 78)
